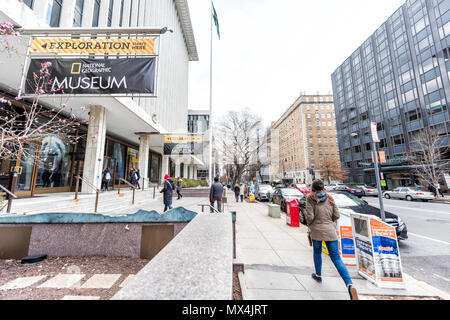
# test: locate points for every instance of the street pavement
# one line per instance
(426, 254)
(278, 263)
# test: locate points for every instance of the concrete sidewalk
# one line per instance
(279, 262)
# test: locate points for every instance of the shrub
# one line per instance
(191, 183)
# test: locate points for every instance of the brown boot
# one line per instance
(353, 293)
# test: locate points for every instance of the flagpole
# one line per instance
(211, 104)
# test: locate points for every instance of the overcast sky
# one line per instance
(271, 50)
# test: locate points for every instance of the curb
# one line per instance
(435, 291)
(242, 285)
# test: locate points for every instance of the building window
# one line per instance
(55, 13)
(96, 13)
(121, 13)
(110, 12)
(29, 3)
(78, 15)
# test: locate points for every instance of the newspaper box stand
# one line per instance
(377, 252)
(293, 213)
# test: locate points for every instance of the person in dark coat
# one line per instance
(237, 191)
(169, 186)
(216, 194)
(106, 178)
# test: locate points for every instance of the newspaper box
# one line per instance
(377, 252)
(293, 213)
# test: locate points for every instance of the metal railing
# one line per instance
(11, 197)
(97, 190)
(132, 187)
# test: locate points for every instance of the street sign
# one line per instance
(94, 76)
(374, 132)
(95, 46)
(118, 53)
(183, 145)
(381, 157)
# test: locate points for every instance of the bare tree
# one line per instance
(22, 123)
(237, 142)
(429, 159)
(332, 169)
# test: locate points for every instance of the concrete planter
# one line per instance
(274, 211)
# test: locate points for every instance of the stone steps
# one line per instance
(108, 203)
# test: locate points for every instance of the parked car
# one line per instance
(332, 186)
(281, 195)
(409, 193)
(264, 192)
(348, 201)
(303, 188)
(351, 189)
(369, 191)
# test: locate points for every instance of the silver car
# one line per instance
(409, 194)
(264, 192)
(369, 191)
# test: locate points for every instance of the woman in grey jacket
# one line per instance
(321, 216)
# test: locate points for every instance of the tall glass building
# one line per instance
(398, 78)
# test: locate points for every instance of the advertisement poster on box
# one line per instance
(386, 252)
(346, 242)
(377, 252)
(363, 247)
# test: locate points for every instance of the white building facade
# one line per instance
(129, 131)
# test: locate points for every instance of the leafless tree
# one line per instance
(332, 169)
(237, 142)
(22, 123)
(429, 159)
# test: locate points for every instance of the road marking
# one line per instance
(423, 237)
(411, 208)
(443, 278)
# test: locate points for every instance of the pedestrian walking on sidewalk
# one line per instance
(242, 192)
(216, 194)
(179, 188)
(137, 176)
(106, 178)
(169, 186)
(321, 216)
(237, 191)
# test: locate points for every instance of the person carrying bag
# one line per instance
(321, 216)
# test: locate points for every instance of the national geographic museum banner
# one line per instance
(94, 76)
(183, 145)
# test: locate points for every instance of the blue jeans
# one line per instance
(333, 249)
(167, 206)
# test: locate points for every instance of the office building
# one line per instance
(398, 78)
(130, 130)
(303, 137)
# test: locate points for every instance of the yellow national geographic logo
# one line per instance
(76, 68)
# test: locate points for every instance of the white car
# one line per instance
(409, 193)
(332, 186)
(368, 191)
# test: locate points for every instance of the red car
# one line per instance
(303, 188)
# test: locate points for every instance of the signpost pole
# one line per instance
(375, 139)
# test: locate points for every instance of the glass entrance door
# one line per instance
(29, 158)
(111, 163)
